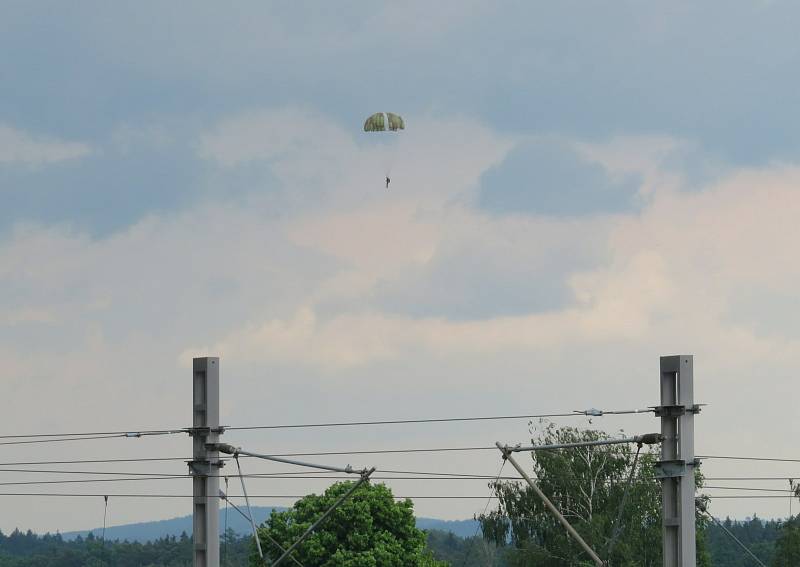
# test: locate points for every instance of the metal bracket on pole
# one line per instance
(206, 463)
(677, 464)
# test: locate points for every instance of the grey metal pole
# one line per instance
(550, 506)
(206, 463)
(676, 467)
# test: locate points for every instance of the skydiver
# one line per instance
(387, 181)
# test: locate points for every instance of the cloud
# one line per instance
(18, 147)
(273, 135)
(413, 301)
(552, 177)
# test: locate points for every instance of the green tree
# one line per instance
(787, 548)
(587, 484)
(369, 529)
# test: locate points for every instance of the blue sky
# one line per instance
(581, 188)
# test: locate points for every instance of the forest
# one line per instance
(26, 549)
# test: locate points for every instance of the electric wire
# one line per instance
(225, 536)
(355, 452)
(574, 413)
(617, 530)
(246, 517)
(305, 454)
(744, 458)
(292, 496)
(478, 527)
(736, 539)
(128, 433)
(64, 439)
(297, 454)
(332, 477)
(286, 496)
(173, 431)
(742, 496)
(408, 474)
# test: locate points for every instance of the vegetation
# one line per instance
(21, 549)
(787, 546)
(759, 537)
(369, 529)
(587, 485)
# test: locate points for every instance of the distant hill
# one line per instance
(149, 531)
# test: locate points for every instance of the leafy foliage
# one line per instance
(369, 529)
(587, 484)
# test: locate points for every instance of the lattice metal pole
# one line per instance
(677, 464)
(206, 464)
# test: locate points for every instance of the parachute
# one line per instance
(383, 121)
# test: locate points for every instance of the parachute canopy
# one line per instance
(383, 121)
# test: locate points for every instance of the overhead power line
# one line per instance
(129, 433)
(351, 452)
(736, 539)
(306, 454)
(94, 461)
(575, 413)
(743, 496)
(63, 439)
(141, 433)
(289, 475)
(743, 458)
(288, 496)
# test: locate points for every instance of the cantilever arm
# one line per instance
(646, 439)
(231, 450)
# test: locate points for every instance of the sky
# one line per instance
(581, 188)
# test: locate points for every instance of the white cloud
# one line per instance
(641, 155)
(274, 135)
(21, 147)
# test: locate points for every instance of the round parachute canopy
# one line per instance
(383, 121)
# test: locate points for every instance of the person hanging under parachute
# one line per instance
(384, 122)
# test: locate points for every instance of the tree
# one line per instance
(787, 548)
(369, 529)
(587, 484)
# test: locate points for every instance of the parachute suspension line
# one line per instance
(105, 515)
(385, 124)
(618, 524)
(249, 510)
